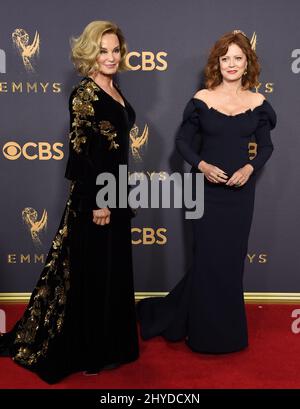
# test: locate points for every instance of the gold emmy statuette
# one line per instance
(27, 51)
(35, 226)
(137, 141)
(253, 41)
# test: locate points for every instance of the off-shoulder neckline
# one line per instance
(227, 115)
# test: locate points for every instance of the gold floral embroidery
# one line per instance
(44, 318)
(82, 108)
(108, 130)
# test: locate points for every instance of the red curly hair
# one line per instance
(213, 75)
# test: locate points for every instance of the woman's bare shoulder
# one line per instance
(256, 98)
(202, 93)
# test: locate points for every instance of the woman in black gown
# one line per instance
(81, 315)
(206, 308)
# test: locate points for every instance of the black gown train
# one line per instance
(81, 315)
(206, 308)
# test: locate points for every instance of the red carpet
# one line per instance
(271, 361)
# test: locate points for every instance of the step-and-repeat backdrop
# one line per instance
(168, 42)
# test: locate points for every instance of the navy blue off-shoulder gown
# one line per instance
(206, 308)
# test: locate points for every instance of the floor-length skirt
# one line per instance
(206, 308)
(81, 315)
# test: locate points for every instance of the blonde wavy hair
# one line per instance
(86, 47)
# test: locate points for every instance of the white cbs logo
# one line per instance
(2, 321)
(33, 150)
(296, 63)
(295, 327)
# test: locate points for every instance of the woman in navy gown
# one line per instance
(206, 308)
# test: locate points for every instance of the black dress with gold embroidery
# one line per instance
(81, 315)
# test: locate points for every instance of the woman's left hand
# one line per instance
(241, 176)
(101, 217)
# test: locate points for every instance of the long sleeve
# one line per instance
(188, 138)
(81, 167)
(267, 122)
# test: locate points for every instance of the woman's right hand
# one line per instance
(212, 173)
(101, 216)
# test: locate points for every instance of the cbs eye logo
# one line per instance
(33, 150)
